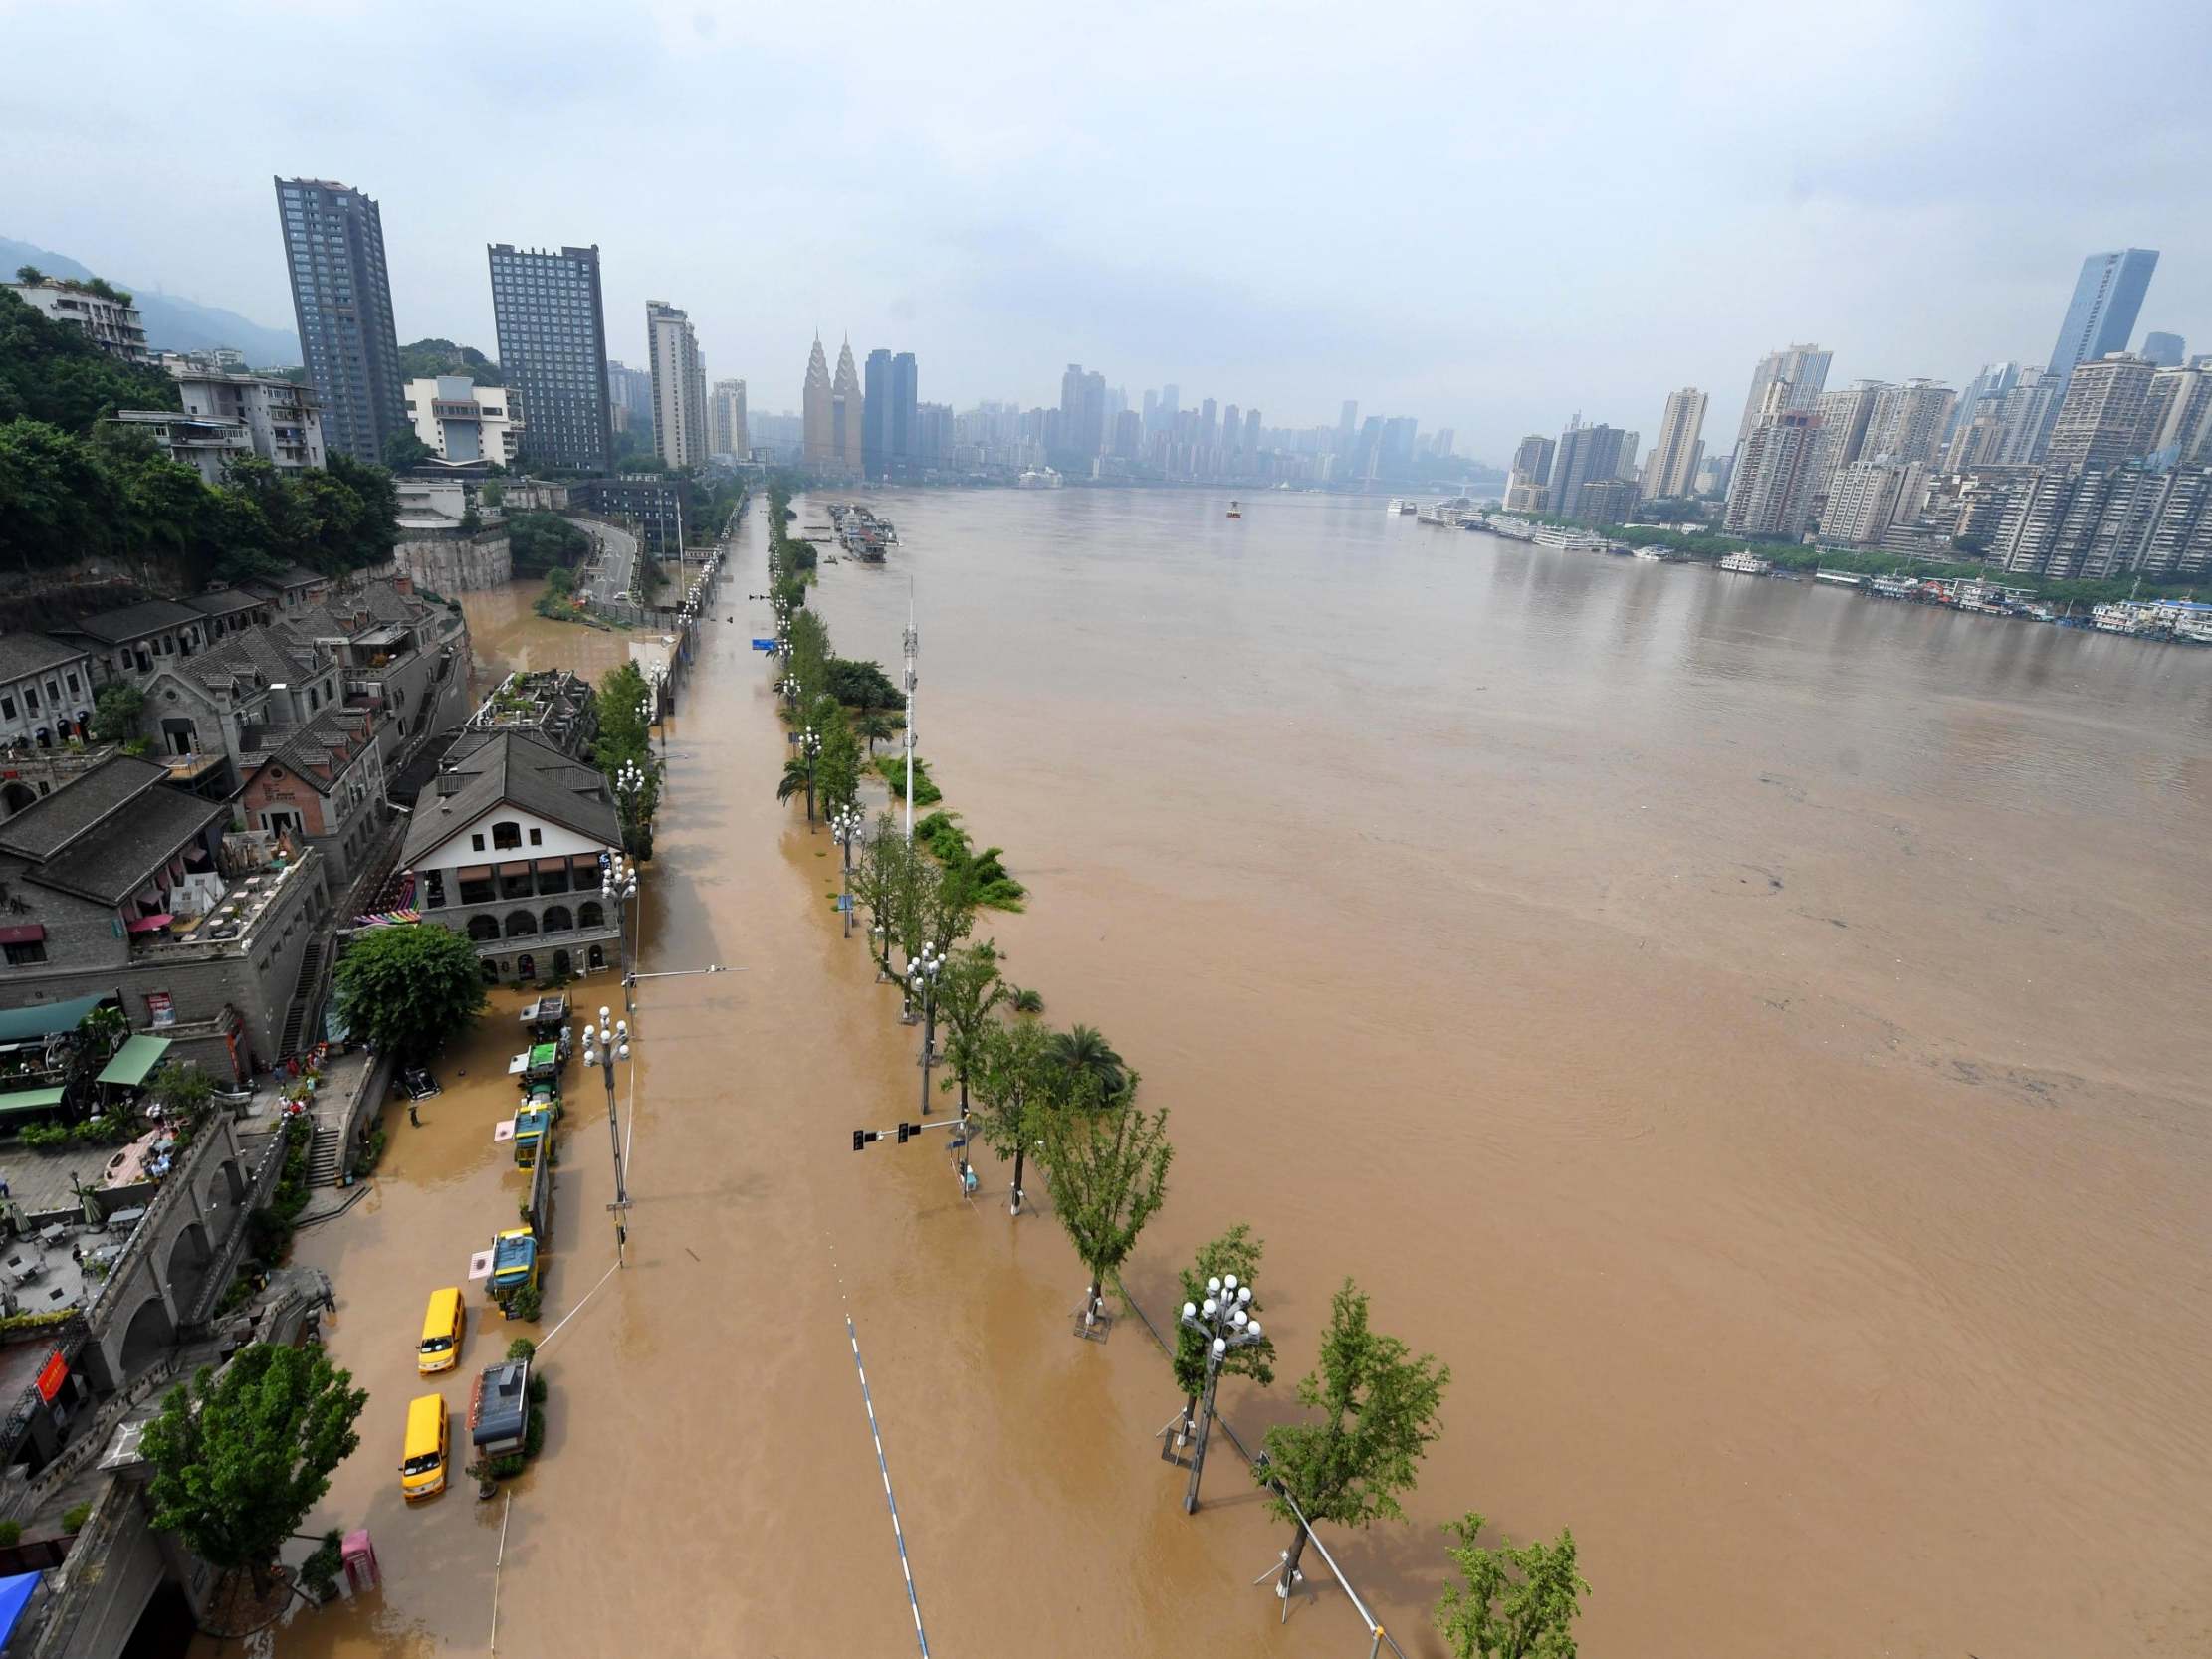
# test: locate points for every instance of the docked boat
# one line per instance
(1236, 510)
(1747, 565)
(1401, 503)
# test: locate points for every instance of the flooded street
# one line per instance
(1753, 1034)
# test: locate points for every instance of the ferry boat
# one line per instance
(1747, 564)
(1658, 555)
(1400, 503)
(1236, 510)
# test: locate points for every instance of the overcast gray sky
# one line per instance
(1488, 223)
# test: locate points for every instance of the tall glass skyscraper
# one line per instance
(2100, 317)
(553, 345)
(334, 241)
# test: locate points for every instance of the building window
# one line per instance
(507, 834)
(476, 841)
(537, 836)
(28, 953)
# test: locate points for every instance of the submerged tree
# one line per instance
(1082, 1052)
(410, 989)
(1514, 1601)
(969, 993)
(1378, 1409)
(1016, 1086)
(881, 881)
(1109, 1169)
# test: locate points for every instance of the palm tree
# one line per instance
(1084, 1054)
(797, 779)
(1023, 1000)
(875, 727)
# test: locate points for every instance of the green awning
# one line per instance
(44, 1020)
(134, 1061)
(30, 1100)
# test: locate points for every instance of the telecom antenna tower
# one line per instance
(913, 649)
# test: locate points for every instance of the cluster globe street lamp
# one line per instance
(618, 887)
(603, 1044)
(789, 686)
(1223, 1319)
(846, 825)
(920, 979)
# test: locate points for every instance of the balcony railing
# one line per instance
(232, 926)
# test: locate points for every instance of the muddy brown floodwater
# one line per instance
(1753, 1034)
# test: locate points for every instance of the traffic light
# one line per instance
(905, 1128)
(861, 1136)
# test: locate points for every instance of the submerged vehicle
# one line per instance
(514, 1264)
(423, 1456)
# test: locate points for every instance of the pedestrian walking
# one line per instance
(411, 1118)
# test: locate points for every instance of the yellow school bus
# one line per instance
(423, 1469)
(442, 1325)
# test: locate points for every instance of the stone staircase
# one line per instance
(325, 1153)
(303, 998)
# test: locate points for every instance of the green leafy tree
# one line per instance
(410, 989)
(543, 542)
(241, 1460)
(403, 450)
(880, 882)
(969, 993)
(1514, 1601)
(810, 658)
(1236, 1251)
(1016, 1086)
(874, 726)
(1376, 1407)
(115, 713)
(98, 1035)
(837, 767)
(184, 1092)
(1109, 1167)
(1024, 999)
(862, 685)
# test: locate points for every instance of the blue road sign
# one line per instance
(763, 645)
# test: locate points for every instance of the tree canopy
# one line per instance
(410, 989)
(1513, 1601)
(1377, 1406)
(242, 1458)
(75, 485)
(543, 542)
(1109, 1168)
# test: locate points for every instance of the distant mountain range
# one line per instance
(172, 324)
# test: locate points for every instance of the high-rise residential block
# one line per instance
(2101, 315)
(1586, 456)
(2097, 523)
(2177, 416)
(1251, 434)
(1847, 416)
(1533, 459)
(2099, 423)
(1861, 501)
(904, 429)
(875, 447)
(1769, 493)
(334, 241)
(680, 436)
(629, 397)
(1672, 469)
(1803, 369)
(551, 317)
(2029, 409)
(726, 419)
(1909, 420)
(2164, 350)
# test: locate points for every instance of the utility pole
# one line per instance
(913, 650)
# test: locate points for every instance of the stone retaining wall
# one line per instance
(449, 563)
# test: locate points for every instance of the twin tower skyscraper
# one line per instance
(870, 429)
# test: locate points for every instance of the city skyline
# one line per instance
(1849, 233)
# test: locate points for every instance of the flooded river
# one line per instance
(1753, 1034)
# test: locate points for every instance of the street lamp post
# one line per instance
(845, 824)
(1223, 1321)
(921, 976)
(810, 749)
(603, 1044)
(618, 887)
